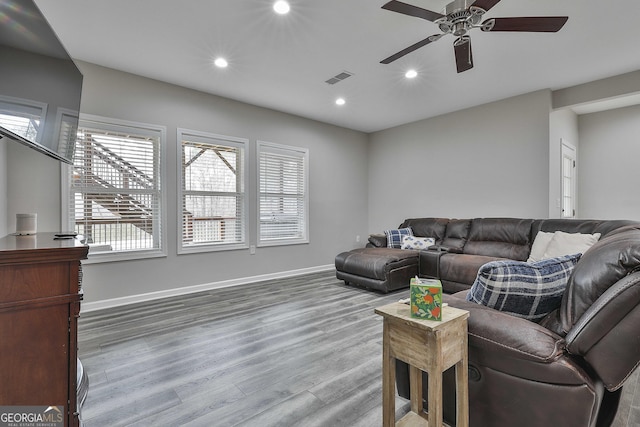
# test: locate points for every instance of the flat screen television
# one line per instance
(40, 85)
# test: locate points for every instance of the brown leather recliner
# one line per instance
(567, 370)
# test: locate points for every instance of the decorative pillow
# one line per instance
(526, 290)
(569, 243)
(394, 237)
(539, 246)
(417, 243)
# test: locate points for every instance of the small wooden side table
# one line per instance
(429, 346)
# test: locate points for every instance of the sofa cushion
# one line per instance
(526, 290)
(539, 246)
(417, 243)
(569, 243)
(394, 237)
(461, 269)
(427, 227)
(456, 234)
(499, 237)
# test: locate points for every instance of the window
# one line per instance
(283, 210)
(116, 198)
(22, 117)
(212, 212)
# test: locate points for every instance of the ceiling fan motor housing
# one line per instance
(457, 6)
(460, 17)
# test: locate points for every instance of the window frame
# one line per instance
(294, 152)
(118, 125)
(211, 138)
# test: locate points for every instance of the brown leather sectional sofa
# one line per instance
(461, 247)
(566, 370)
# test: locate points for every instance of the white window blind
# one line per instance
(116, 189)
(213, 191)
(283, 199)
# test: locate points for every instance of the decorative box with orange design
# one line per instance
(426, 299)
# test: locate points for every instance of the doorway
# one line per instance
(568, 187)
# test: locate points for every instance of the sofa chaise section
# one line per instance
(382, 269)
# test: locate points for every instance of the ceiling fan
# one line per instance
(461, 16)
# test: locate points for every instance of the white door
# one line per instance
(568, 180)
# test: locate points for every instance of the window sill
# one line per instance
(283, 242)
(196, 249)
(102, 257)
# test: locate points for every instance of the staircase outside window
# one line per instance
(116, 197)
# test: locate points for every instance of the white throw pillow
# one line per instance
(419, 243)
(569, 243)
(539, 246)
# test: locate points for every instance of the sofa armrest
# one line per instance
(608, 331)
(511, 336)
(378, 240)
(448, 249)
(517, 347)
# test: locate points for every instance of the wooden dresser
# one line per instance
(39, 308)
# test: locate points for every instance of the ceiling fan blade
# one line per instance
(485, 4)
(407, 9)
(411, 48)
(544, 24)
(464, 58)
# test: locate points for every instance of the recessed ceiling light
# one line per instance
(221, 63)
(340, 101)
(411, 74)
(281, 7)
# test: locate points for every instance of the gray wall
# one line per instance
(338, 184)
(598, 90)
(491, 160)
(33, 187)
(608, 158)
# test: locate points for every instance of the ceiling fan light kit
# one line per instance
(460, 17)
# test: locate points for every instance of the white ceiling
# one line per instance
(282, 62)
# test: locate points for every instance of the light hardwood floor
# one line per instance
(303, 351)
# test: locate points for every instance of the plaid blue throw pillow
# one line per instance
(527, 290)
(394, 237)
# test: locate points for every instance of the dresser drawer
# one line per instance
(33, 281)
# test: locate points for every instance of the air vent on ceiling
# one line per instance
(339, 77)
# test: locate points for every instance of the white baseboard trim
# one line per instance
(133, 299)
